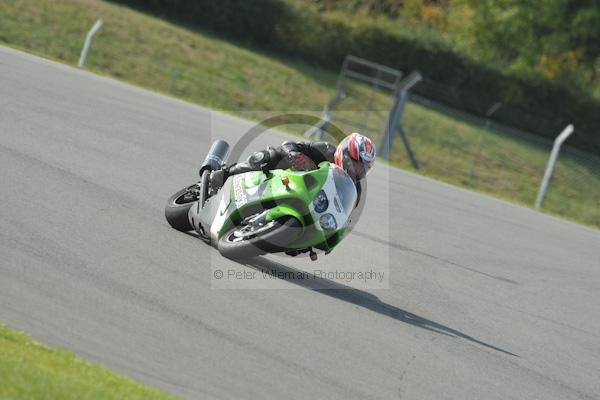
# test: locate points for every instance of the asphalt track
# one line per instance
(486, 300)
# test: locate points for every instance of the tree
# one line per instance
(559, 38)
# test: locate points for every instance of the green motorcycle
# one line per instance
(258, 212)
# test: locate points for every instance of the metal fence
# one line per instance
(484, 155)
(474, 152)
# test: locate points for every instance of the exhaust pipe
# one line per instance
(216, 157)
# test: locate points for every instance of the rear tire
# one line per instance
(176, 210)
(275, 240)
(178, 206)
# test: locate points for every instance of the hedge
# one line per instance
(534, 104)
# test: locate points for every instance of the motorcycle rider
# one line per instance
(355, 154)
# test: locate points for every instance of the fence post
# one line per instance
(88, 41)
(551, 162)
(394, 123)
(489, 113)
(318, 131)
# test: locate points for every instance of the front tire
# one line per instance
(276, 239)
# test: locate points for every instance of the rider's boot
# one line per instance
(218, 177)
(254, 163)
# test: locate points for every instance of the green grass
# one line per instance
(30, 370)
(205, 69)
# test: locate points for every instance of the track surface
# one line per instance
(487, 300)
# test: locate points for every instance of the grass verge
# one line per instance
(30, 370)
(202, 68)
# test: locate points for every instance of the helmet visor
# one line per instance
(356, 169)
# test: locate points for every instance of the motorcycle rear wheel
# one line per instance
(178, 205)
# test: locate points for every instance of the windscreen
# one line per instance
(345, 189)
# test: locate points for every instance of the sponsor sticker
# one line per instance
(239, 192)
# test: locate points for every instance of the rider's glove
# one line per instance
(264, 159)
(259, 158)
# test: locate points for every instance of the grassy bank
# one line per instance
(202, 68)
(30, 370)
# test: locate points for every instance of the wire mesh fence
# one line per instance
(479, 153)
(486, 156)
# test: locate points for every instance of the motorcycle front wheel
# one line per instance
(273, 237)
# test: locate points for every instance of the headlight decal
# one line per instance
(328, 222)
(321, 202)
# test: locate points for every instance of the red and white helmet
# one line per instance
(356, 155)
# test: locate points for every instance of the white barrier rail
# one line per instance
(551, 162)
(88, 41)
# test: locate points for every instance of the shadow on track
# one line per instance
(356, 297)
(362, 299)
